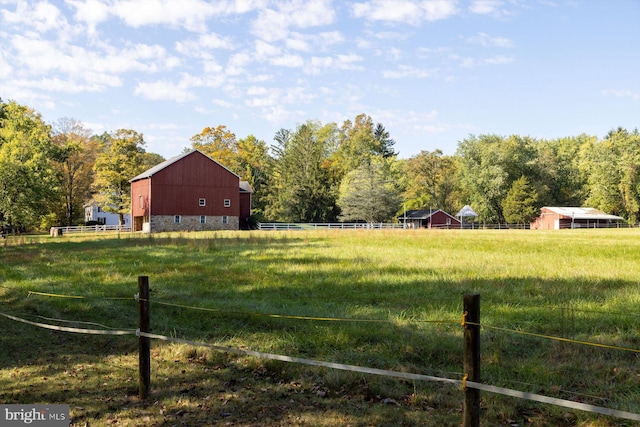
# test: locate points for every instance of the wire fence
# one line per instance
(463, 322)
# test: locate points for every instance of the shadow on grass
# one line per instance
(244, 283)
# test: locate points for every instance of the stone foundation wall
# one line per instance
(160, 223)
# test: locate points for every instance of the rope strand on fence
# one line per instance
(408, 376)
(352, 368)
(284, 316)
(74, 321)
(66, 329)
(550, 337)
(338, 319)
(45, 294)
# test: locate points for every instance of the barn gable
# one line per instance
(188, 192)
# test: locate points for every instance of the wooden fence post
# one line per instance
(472, 359)
(144, 343)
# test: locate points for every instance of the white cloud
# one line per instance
(310, 13)
(495, 8)
(635, 95)
(340, 62)
(237, 63)
(273, 24)
(211, 80)
(214, 41)
(211, 67)
(272, 99)
(259, 78)
(497, 60)
(405, 11)
(91, 12)
(188, 14)
(257, 90)
(41, 16)
(265, 50)
(279, 114)
(297, 42)
(484, 39)
(270, 26)
(315, 42)
(163, 90)
(468, 62)
(222, 103)
(203, 45)
(39, 57)
(404, 71)
(6, 70)
(426, 52)
(288, 61)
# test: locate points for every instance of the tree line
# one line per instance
(318, 172)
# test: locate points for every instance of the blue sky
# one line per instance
(432, 72)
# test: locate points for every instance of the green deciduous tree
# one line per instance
(220, 144)
(121, 158)
(361, 141)
(74, 159)
(254, 166)
(489, 164)
(613, 174)
(431, 181)
(27, 183)
(560, 170)
(368, 194)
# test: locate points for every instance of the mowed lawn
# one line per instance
(382, 299)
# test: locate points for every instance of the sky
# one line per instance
(432, 72)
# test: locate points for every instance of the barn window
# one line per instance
(202, 202)
(203, 219)
(225, 219)
(227, 203)
(448, 221)
(176, 219)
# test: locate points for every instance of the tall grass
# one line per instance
(404, 288)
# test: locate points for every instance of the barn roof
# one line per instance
(582, 213)
(245, 187)
(157, 168)
(419, 214)
(466, 211)
(423, 214)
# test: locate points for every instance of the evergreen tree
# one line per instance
(302, 190)
(521, 204)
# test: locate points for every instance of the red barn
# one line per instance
(189, 192)
(428, 218)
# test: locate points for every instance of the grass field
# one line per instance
(404, 288)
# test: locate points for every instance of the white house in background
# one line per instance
(93, 212)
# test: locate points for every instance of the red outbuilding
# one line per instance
(555, 218)
(189, 192)
(428, 218)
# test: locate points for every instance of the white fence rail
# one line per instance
(328, 226)
(61, 231)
